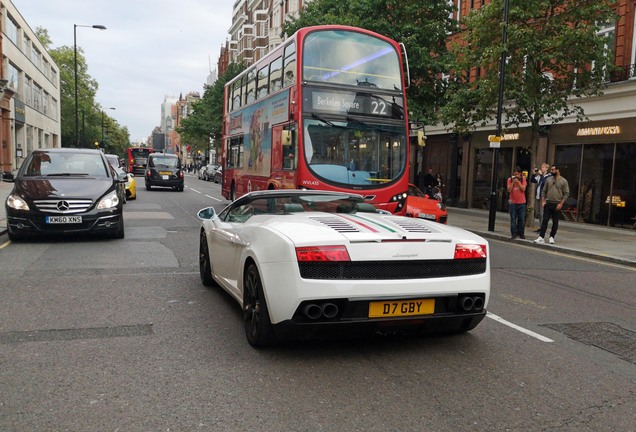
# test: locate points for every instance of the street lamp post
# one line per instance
(75, 26)
(495, 158)
(112, 108)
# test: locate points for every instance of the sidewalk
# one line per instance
(616, 245)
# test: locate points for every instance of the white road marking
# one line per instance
(516, 327)
(193, 190)
(215, 199)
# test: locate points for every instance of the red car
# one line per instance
(419, 205)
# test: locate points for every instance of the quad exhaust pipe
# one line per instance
(315, 311)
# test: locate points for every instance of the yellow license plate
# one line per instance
(165, 172)
(400, 308)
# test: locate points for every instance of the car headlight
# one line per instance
(109, 201)
(441, 206)
(15, 202)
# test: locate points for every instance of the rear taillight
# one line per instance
(322, 253)
(466, 251)
(148, 173)
(180, 174)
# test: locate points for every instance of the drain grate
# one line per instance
(604, 335)
(74, 334)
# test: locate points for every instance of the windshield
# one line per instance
(53, 164)
(350, 58)
(164, 162)
(140, 152)
(354, 153)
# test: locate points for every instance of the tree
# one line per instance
(422, 26)
(555, 56)
(206, 120)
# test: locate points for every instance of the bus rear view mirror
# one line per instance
(286, 137)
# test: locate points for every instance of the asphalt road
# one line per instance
(120, 335)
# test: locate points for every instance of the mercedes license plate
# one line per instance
(400, 308)
(63, 219)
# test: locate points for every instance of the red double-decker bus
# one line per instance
(136, 159)
(324, 110)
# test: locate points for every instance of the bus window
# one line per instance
(275, 75)
(290, 65)
(263, 82)
(236, 94)
(235, 154)
(250, 93)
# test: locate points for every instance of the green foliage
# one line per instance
(206, 120)
(421, 26)
(550, 47)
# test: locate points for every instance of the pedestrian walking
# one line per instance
(517, 185)
(553, 196)
(539, 177)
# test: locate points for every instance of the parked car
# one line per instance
(164, 170)
(218, 175)
(420, 205)
(65, 190)
(116, 165)
(201, 171)
(309, 263)
(130, 185)
(208, 172)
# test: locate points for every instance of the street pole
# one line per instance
(75, 26)
(103, 145)
(495, 159)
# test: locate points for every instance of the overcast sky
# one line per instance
(151, 49)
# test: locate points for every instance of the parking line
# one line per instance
(516, 327)
(4, 245)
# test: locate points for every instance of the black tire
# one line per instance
(258, 326)
(120, 233)
(180, 189)
(205, 269)
(148, 187)
(13, 236)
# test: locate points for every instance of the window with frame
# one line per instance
(53, 108)
(289, 67)
(608, 32)
(12, 29)
(37, 97)
(14, 76)
(36, 57)
(28, 91)
(235, 152)
(250, 92)
(263, 82)
(276, 75)
(236, 94)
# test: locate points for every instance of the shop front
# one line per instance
(514, 151)
(599, 161)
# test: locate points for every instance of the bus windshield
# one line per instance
(354, 153)
(352, 59)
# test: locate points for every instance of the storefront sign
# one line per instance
(601, 130)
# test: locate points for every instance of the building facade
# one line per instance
(597, 156)
(257, 27)
(29, 91)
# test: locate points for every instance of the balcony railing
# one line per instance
(623, 73)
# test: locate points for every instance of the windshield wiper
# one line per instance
(66, 174)
(324, 120)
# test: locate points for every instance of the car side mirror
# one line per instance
(122, 177)
(206, 213)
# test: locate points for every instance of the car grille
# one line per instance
(379, 270)
(63, 206)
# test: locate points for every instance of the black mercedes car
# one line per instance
(165, 170)
(62, 191)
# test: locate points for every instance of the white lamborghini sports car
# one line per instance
(306, 264)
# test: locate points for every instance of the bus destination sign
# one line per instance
(351, 103)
